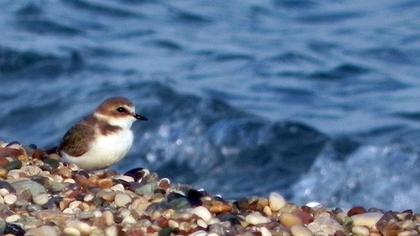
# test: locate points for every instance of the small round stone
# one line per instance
(289, 220)
(12, 218)
(265, 232)
(368, 219)
(122, 199)
(256, 218)
(3, 173)
(109, 218)
(89, 197)
(10, 199)
(70, 231)
(41, 199)
(202, 223)
(44, 230)
(300, 230)
(276, 201)
(202, 212)
(360, 230)
(125, 178)
(83, 227)
(111, 231)
(118, 187)
(14, 229)
(105, 183)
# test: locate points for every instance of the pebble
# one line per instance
(289, 220)
(109, 218)
(45, 230)
(122, 199)
(82, 227)
(256, 218)
(10, 199)
(324, 224)
(89, 197)
(408, 233)
(276, 201)
(31, 170)
(4, 191)
(3, 173)
(105, 183)
(41, 199)
(14, 229)
(118, 187)
(368, 219)
(111, 231)
(202, 223)
(70, 231)
(360, 230)
(300, 230)
(313, 204)
(202, 212)
(12, 218)
(199, 233)
(125, 178)
(267, 211)
(34, 187)
(129, 220)
(265, 232)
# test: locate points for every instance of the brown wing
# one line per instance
(77, 140)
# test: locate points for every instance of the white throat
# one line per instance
(123, 122)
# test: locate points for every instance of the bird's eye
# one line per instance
(121, 109)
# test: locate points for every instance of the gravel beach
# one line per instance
(40, 195)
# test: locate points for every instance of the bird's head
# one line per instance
(118, 111)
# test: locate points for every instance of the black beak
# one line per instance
(139, 117)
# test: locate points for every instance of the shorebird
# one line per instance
(102, 138)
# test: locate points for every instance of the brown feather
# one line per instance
(78, 139)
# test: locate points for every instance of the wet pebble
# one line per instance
(70, 231)
(256, 218)
(52, 163)
(45, 230)
(10, 152)
(136, 173)
(368, 219)
(360, 230)
(276, 201)
(10, 199)
(146, 190)
(300, 230)
(203, 213)
(356, 210)
(265, 232)
(14, 164)
(14, 229)
(12, 218)
(6, 186)
(122, 199)
(111, 231)
(289, 220)
(34, 187)
(41, 199)
(105, 183)
(325, 224)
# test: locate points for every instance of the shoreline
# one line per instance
(40, 195)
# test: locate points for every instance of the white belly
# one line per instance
(106, 151)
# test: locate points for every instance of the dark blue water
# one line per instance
(319, 100)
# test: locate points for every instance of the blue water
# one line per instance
(318, 100)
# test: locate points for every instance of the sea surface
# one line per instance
(317, 100)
